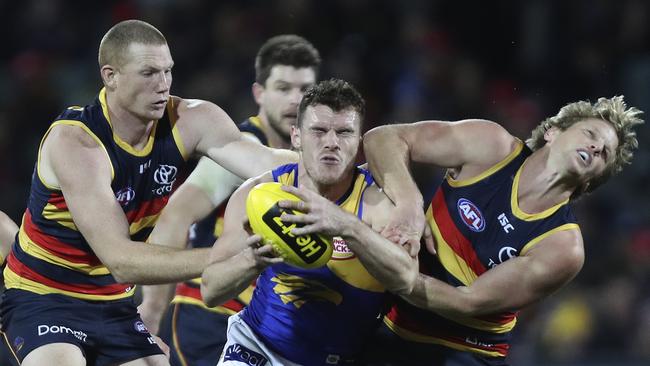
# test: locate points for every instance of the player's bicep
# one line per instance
(454, 144)
(84, 174)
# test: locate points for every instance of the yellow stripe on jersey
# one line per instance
(218, 227)
(33, 249)
(180, 299)
(69, 123)
(288, 178)
(12, 280)
(61, 217)
(482, 324)
(118, 140)
(493, 169)
(453, 263)
(514, 202)
(175, 133)
(416, 337)
(247, 295)
(532, 243)
(143, 223)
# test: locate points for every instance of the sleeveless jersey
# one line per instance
(204, 233)
(477, 225)
(310, 316)
(50, 254)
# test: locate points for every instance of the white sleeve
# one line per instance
(216, 181)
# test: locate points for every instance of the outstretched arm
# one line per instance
(515, 283)
(208, 130)
(237, 257)
(390, 149)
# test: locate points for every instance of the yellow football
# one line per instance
(304, 251)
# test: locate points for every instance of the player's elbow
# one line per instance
(122, 271)
(208, 292)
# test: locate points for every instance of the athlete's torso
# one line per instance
(310, 316)
(51, 255)
(204, 233)
(477, 225)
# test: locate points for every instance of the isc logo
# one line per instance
(471, 215)
(308, 247)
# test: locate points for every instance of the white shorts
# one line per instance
(244, 348)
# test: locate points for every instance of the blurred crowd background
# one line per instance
(514, 62)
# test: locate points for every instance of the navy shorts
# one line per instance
(388, 349)
(107, 332)
(195, 336)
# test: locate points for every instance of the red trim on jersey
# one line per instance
(428, 328)
(456, 240)
(55, 246)
(183, 289)
(147, 208)
(23, 271)
(58, 201)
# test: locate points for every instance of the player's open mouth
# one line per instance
(585, 156)
(329, 159)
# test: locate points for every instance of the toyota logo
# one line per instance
(506, 253)
(165, 174)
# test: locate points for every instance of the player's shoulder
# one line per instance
(191, 106)
(72, 134)
(496, 143)
(376, 205)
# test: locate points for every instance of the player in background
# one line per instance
(285, 66)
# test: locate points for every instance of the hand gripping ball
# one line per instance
(305, 251)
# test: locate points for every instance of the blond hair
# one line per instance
(112, 48)
(614, 111)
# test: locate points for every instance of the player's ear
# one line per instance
(258, 92)
(109, 76)
(295, 137)
(551, 134)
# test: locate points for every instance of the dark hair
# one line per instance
(335, 93)
(115, 42)
(285, 49)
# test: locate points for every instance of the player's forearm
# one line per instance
(225, 279)
(143, 264)
(390, 167)
(388, 262)
(155, 300)
(434, 295)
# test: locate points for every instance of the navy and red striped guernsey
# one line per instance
(51, 255)
(477, 224)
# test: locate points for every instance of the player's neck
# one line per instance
(128, 127)
(541, 184)
(332, 192)
(274, 137)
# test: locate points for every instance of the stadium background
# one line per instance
(514, 62)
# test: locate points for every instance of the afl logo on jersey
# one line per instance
(165, 174)
(471, 215)
(125, 195)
